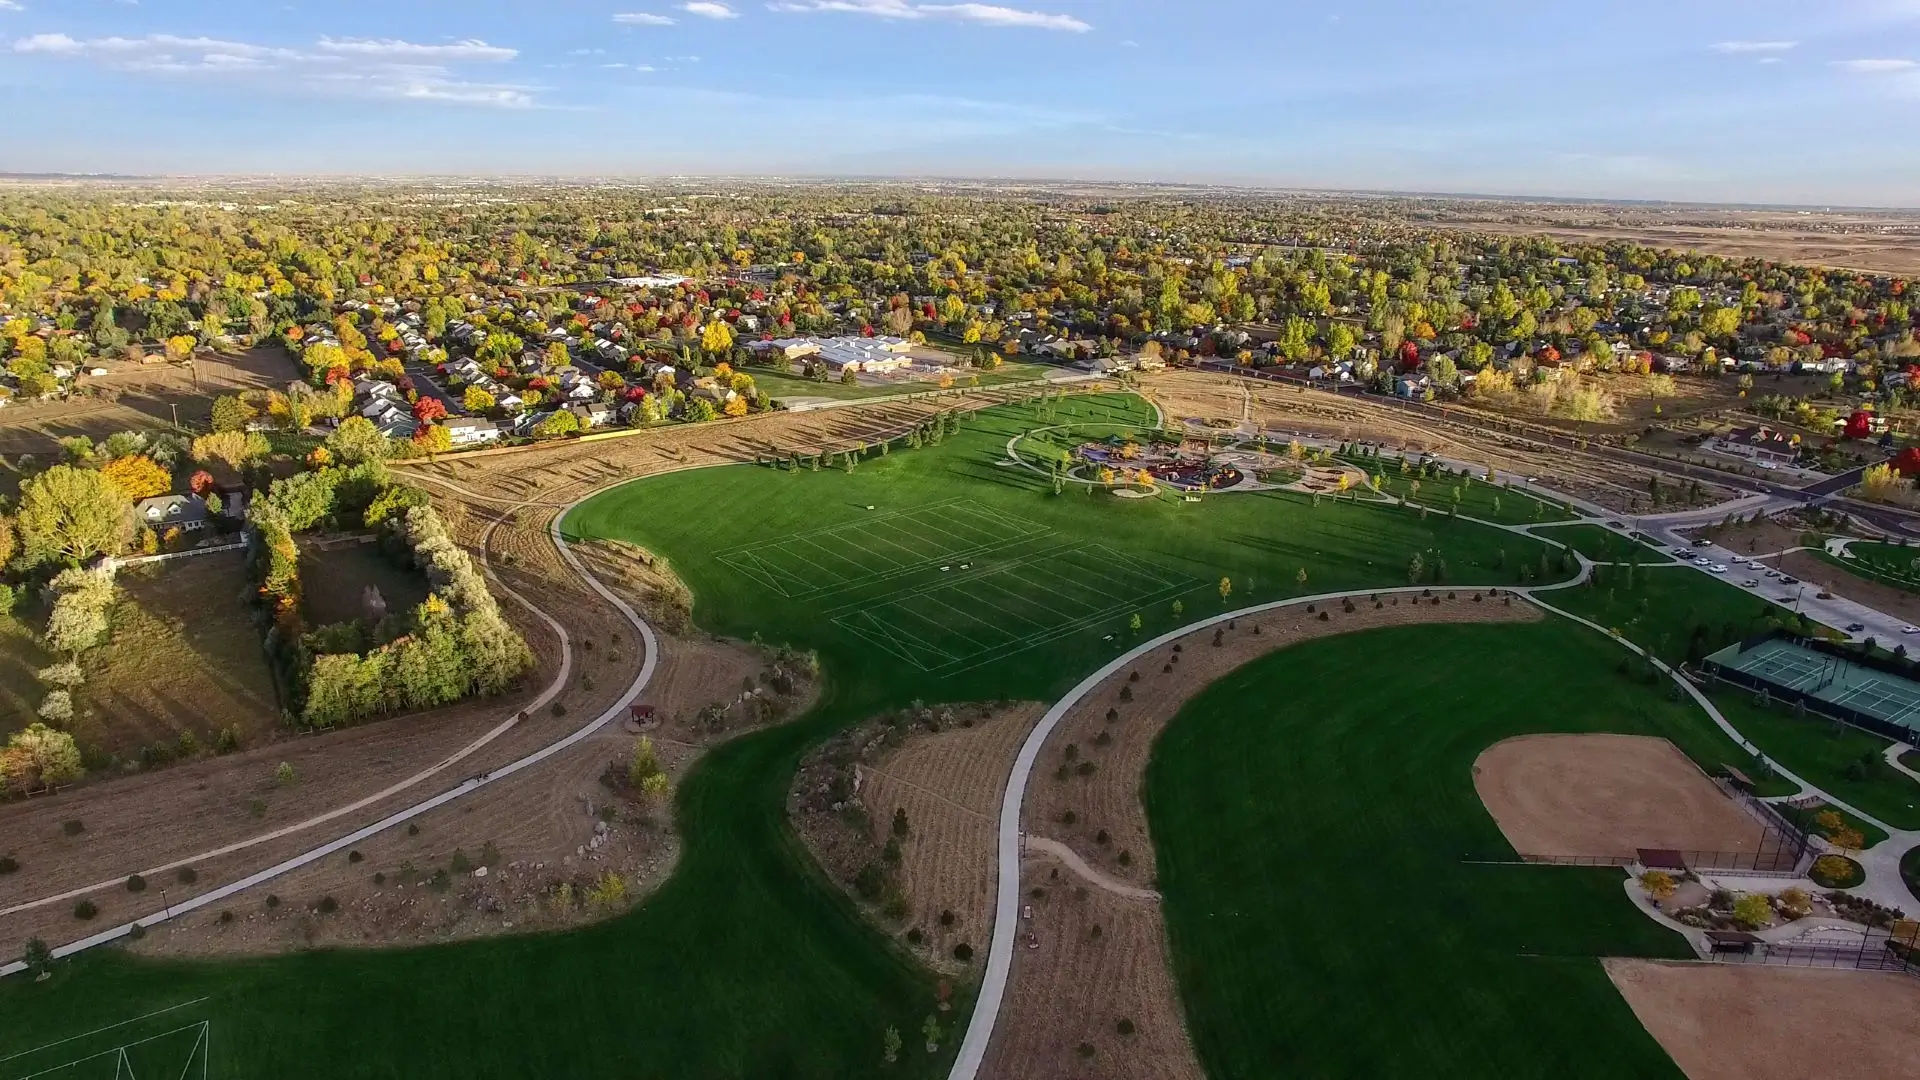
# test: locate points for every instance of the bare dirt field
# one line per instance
(1606, 795)
(564, 823)
(140, 397)
(1100, 959)
(1203, 395)
(949, 784)
(1756, 1022)
(1078, 983)
(1876, 243)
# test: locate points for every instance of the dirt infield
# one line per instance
(1606, 795)
(1732, 1022)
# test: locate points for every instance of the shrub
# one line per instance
(73, 827)
(186, 875)
(1124, 1026)
(379, 877)
(85, 909)
(1836, 872)
(226, 917)
(896, 907)
(136, 932)
(327, 905)
(136, 883)
(963, 952)
(413, 829)
(1658, 883)
(1101, 838)
(273, 901)
(459, 864)
(915, 936)
(354, 856)
(1085, 1050)
(1752, 911)
(9, 864)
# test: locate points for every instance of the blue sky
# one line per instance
(1759, 101)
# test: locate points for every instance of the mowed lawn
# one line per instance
(1312, 814)
(1664, 608)
(1603, 545)
(748, 963)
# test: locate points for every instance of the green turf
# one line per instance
(1910, 870)
(1678, 612)
(1477, 498)
(1889, 564)
(785, 386)
(1312, 815)
(1603, 545)
(1822, 752)
(748, 963)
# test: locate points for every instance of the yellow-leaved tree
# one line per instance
(138, 476)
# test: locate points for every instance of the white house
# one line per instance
(471, 431)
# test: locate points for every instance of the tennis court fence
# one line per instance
(1807, 697)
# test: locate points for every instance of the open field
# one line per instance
(1603, 545)
(1726, 1022)
(1607, 795)
(1359, 792)
(1822, 752)
(749, 962)
(1840, 239)
(1073, 987)
(788, 387)
(184, 656)
(142, 397)
(1888, 564)
(1497, 501)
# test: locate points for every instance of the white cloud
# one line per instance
(642, 18)
(1874, 67)
(708, 9)
(1770, 60)
(585, 52)
(343, 67)
(12, 5)
(1755, 46)
(984, 14)
(394, 49)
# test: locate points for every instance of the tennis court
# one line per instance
(1832, 679)
(996, 611)
(879, 546)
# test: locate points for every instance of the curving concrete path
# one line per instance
(465, 788)
(1883, 883)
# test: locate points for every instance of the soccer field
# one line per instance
(952, 625)
(878, 547)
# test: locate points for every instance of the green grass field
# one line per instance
(1603, 545)
(969, 581)
(1311, 814)
(1821, 751)
(1663, 610)
(1888, 564)
(785, 386)
(1477, 499)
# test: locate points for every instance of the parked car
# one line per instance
(1718, 568)
(1703, 542)
(1854, 628)
(1910, 629)
(1751, 583)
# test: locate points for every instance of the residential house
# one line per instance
(471, 431)
(188, 513)
(1412, 385)
(1759, 443)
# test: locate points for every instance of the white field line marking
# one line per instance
(103, 1029)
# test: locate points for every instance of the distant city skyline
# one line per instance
(1759, 103)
